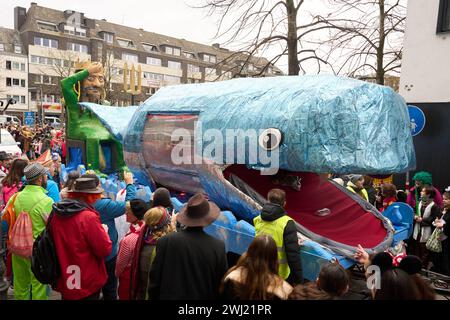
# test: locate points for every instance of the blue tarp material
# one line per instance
(329, 123)
(115, 119)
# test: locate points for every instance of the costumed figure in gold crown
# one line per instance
(84, 130)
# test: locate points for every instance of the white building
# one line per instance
(13, 72)
(425, 82)
(425, 76)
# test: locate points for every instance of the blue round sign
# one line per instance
(417, 120)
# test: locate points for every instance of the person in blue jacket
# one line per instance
(52, 188)
(110, 210)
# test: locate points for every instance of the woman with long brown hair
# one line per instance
(255, 276)
(13, 180)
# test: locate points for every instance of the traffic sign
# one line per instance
(29, 118)
(417, 120)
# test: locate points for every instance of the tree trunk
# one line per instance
(293, 65)
(380, 49)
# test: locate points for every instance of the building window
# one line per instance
(22, 83)
(68, 64)
(44, 42)
(8, 82)
(108, 37)
(173, 64)
(47, 26)
(172, 50)
(17, 49)
(115, 71)
(43, 79)
(80, 32)
(209, 58)
(22, 99)
(17, 98)
(251, 67)
(130, 57)
(153, 61)
(227, 75)
(49, 98)
(210, 71)
(192, 68)
(149, 47)
(192, 80)
(444, 16)
(77, 47)
(33, 95)
(8, 65)
(75, 31)
(69, 30)
(172, 79)
(152, 76)
(125, 43)
(189, 55)
(2, 47)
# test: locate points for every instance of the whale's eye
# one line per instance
(270, 139)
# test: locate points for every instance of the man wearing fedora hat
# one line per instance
(110, 210)
(189, 264)
(32, 199)
(81, 241)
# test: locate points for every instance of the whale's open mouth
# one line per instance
(347, 221)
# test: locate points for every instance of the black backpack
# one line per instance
(44, 261)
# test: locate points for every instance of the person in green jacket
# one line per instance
(32, 199)
(87, 85)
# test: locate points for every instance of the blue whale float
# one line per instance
(235, 140)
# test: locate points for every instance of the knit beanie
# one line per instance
(424, 177)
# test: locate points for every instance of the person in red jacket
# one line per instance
(81, 242)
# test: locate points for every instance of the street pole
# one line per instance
(42, 107)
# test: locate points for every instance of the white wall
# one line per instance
(425, 73)
(17, 74)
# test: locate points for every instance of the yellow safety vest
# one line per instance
(364, 192)
(275, 229)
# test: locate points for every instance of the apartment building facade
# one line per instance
(55, 40)
(13, 72)
(425, 80)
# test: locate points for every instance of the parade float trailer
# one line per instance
(313, 124)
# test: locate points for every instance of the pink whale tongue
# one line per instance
(345, 221)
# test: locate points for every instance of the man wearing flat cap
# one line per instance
(32, 199)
